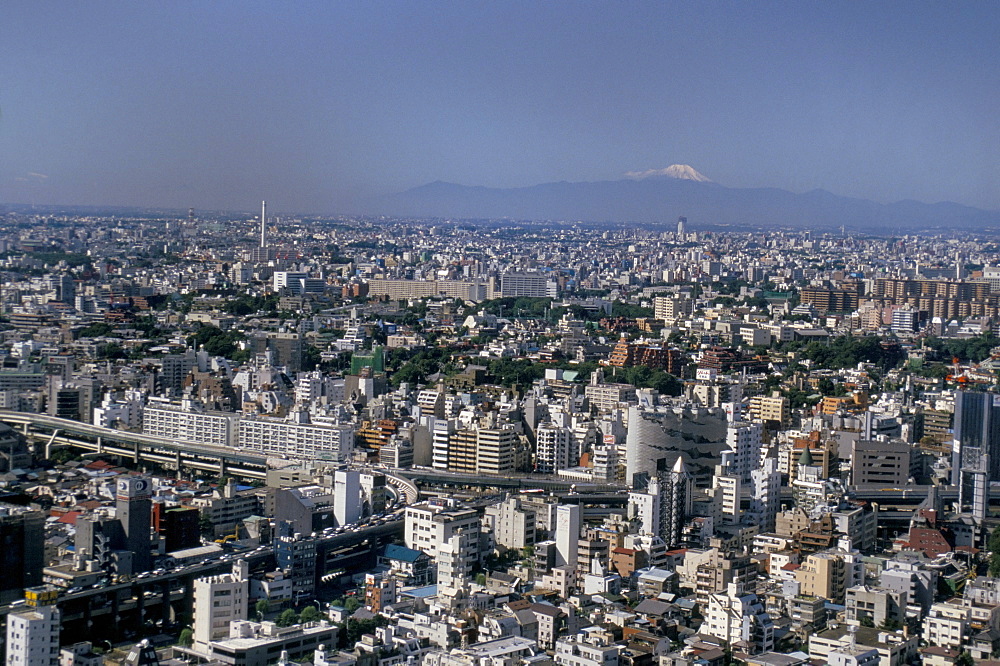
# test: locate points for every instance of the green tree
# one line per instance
(96, 330)
(186, 638)
(262, 607)
(352, 604)
(309, 614)
(965, 659)
(287, 618)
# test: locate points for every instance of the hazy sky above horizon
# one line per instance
(316, 106)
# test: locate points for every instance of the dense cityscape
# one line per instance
(253, 439)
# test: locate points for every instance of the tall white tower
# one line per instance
(263, 224)
(568, 523)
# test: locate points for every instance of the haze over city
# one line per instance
(322, 106)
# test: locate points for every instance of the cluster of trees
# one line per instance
(847, 351)
(621, 309)
(517, 373)
(350, 604)
(217, 342)
(354, 629)
(969, 349)
(994, 548)
(416, 368)
(288, 617)
(531, 308)
(245, 304)
(96, 330)
(641, 376)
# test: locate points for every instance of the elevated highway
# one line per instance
(50, 431)
(124, 610)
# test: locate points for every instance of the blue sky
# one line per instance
(317, 105)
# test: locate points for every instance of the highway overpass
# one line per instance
(49, 432)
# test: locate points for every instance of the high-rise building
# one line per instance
(665, 504)
(495, 451)
(297, 557)
(263, 224)
(133, 508)
(531, 285)
(726, 485)
(977, 426)
(675, 488)
(568, 523)
(22, 550)
(765, 497)
(681, 226)
(554, 448)
(347, 496)
(744, 440)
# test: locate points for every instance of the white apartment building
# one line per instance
(947, 625)
(645, 506)
(428, 524)
(554, 449)
(582, 650)
(189, 422)
(296, 439)
(727, 495)
(33, 637)
(744, 440)
(512, 525)
(441, 431)
(739, 619)
(218, 600)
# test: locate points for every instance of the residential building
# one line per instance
(219, 600)
(33, 632)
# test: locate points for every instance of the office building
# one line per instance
(22, 557)
(880, 463)
(977, 426)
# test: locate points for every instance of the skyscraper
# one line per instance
(133, 508)
(263, 224)
(675, 489)
(977, 432)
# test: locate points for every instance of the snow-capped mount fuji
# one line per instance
(678, 171)
(662, 195)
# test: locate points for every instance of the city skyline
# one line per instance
(320, 108)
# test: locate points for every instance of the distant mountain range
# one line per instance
(662, 195)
